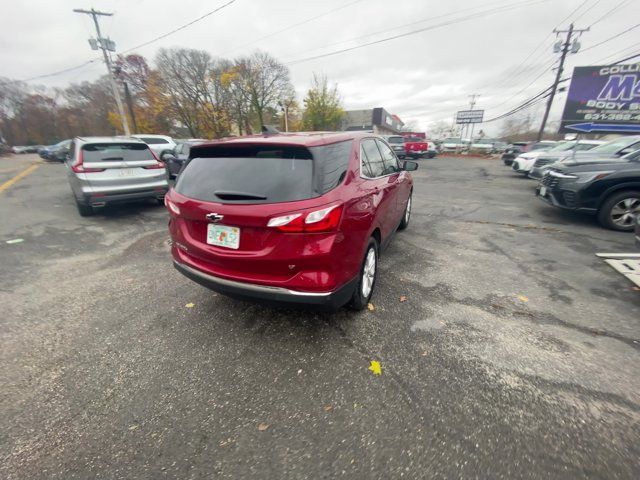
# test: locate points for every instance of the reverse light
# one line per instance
(284, 220)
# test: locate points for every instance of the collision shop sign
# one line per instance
(603, 99)
(469, 116)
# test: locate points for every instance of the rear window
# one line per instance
(153, 140)
(116, 152)
(395, 139)
(263, 173)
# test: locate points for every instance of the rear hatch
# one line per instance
(119, 166)
(228, 193)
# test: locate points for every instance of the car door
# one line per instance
(394, 175)
(377, 185)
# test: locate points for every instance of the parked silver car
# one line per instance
(158, 143)
(108, 170)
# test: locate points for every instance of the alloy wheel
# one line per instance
(369, 272)
(407, 212)
(625, 211)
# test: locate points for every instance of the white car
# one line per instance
(483, 145)
(524, 162)
(157, 143)
(453, 144)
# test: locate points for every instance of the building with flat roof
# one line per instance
(376, 120)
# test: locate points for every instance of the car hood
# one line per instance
(590, 166)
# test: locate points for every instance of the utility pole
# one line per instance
(472, 104)
(565, 47)
(104, 44)
(285, 110)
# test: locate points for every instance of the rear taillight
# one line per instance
(324, 220)
(172, 207)
(158, 164)
(78, 166)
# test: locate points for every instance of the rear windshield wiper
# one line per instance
(228, 195)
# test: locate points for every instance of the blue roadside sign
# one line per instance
(603, 99)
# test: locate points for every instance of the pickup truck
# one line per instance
(416, 147)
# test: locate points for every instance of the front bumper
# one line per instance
(270, 294)
(565, 199)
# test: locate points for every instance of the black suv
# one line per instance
(516, 148)
(607, 187)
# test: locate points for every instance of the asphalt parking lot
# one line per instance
(515, 354)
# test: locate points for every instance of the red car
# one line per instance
(293, 218)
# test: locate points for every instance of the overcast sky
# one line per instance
(425, 76)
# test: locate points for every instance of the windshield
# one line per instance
(616, 145)
(562, 147)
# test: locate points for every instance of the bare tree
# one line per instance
(263, 81)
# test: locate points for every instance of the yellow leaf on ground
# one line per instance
(371, 307)
(262, 427)
(328, 408)
(375, 367)
(522, 298)
(403, 298)
(190, 305)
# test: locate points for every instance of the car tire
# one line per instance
(367, 279)
(84, 210)
(406, 216)
(618, 211)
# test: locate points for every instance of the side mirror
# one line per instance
(409, 166)
(166, 156)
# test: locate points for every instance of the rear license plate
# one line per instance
(543, 191)
(223, 236)
(127, 172)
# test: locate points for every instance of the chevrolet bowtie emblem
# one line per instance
(214, 217)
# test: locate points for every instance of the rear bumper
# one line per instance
(279, 295)
(98, 200)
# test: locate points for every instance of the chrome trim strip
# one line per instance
(250, 286)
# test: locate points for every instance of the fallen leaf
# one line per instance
(190, 305)
(522, 298)
(424, 354)
(637, 289)
(15, 240)
(371, 307)
(403, 298)
(375, 367)
(262, 427)
(299, 371)
(133, 427)
(328, 408)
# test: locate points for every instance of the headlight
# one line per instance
(586, 177)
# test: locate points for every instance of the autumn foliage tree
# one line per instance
(323, 109)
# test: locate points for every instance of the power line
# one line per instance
(182, 27)
(413, 32)
(586, 11)
(292, 26)
(88, 62)
(612, 38)
(571, 14)
(609, 12)
(359, 37)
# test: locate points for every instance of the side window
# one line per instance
(365, 170)
(388, 158)
(376, 165)
(178, 149)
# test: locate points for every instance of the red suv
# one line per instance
(294, 218)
